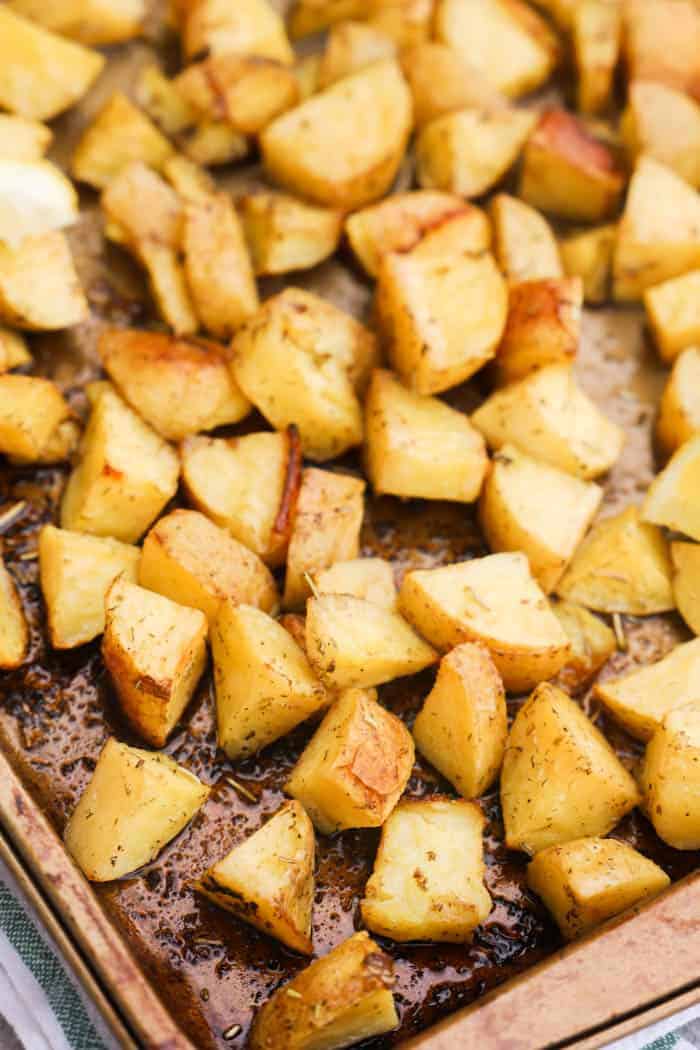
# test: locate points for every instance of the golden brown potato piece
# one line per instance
(597, 35)
(671, 778)
(155, 651)
(355, 767)
(251, 27)
(673, 313)
(188, 179)
(22, 139)
(662, 42)
(494, 601)
(325, 529)
(427, 883)
(561, 778)
(341, 998)
(462, 727)
(673, 498)
(159, 97)
(350, 47)
(246, 91)
(311, 16)
(96, 22)
(371, 579)
(268, 879)
(442, 82)
(589, 880)
(589, 255)
(39, 287)
(664, 124)
(679, 411)
(134, 803)
(543, 326)
(419, 447)
(31, 408)
(193, 562)
(14, 352)
(525, 246)
(685, 558)
(592, 642)
(14, 633)
(407, 22)
(214, 142)
(314, 150)
(120, 134)
(285, 234)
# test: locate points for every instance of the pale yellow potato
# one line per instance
(41, 73)
(265, 685)
(673, 498)
(659, 233)
(279, 365)
(673, 313)
(96, 22)
(679, 409)
(427, 883)
(419, 447)
(306, 72)
(316, 149)
(246, 91)
(250, 27)
(355, 767)
(120, 134)
(549, 417)
(661, 42)
(31, 408)
(671, 778)
(135, 802)
(589, 255)
(510, 45)
(469, 151)
(665, 124)
(441, 81)
(39, 287)
(22, 139)
(561, 778)
(494, 601)
(342, 998)
(589, 880)
(524, 243)
(247, 485)
(641, 699)
(62, 443)
(685, 558)
(350, 47)
(76, 571)
(14, 351)
(14, 633)
(178, 386)
(190, 560)
(214, 142)
(597, 37)
(543, 326)
(285, 234)
(371, 579)
(35, 197)
(268, 879)
(124, 478)
(155, 651)
(158, 95)
(529, 506)
(188, 179)
(462, 727)
(169, 287)
(592, 643)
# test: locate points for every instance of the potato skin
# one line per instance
(543, 326)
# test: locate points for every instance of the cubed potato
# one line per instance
(462, 727)
(120, 134)
(531, 507)
(665, 124)
(189, 180)
(247, 485)
(14, 633)
(354, 643)
(251, 27)
(441, 310)
(673, 498)
(355, 767)
(14, 352)
(659, 233)
(589, 255)
(592, 643)
(158, 95)
(561, 778)
(178, 386)
(567, 172)
(673, 313)
(441, 82)
(469, 151)
(214, 142)
(39, 287)
(285, 234)
(35, 197)
(543, 326)
(511, 46)
(314, 150)
(685, 558)
(407, 22)
(265, 685)
(268, 879)
(671, 778)
(428, 878)
(300, 360)
(549, 417)
(622, 566)
(311, 16)
(679, 410)
(155, 651)
(41, 73)
(134, 803)
(417, 446)
(589, 880)
(371, 579)
(191, 560)
(662, 43)
(597, 35)
(494, 601)
(96, 22)
(62, 443)
(22, 139)
(306, 71)
(125, 476)
(352, 46)
(246, 91)
(76, 571)
(31, 408)
(641, 699)
(524, 244)
(342, 998)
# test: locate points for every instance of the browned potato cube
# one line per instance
(441, 81)
(665, 124)
(592, 642)
(214, 142)
(407, 22)
(31, 408)
(159, 97)
(597, 34)
(14, 633)
(371, 579)
(673, 498)
(311, 16)
(39, 286)
(120, 134)
(246, 91)
(673, 313)
(95, 22)
(589, 255)
(285, 234)
(661, 40)
(352, 46)
(14, 351)
(251, 27)
(525, 246)
(679, 411)
(22, 139)
(543, 326)
(685, 558)
(188, 179)
(671, 778)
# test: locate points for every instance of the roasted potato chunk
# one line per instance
(14, 351)
(462, 727)
(673, 313)
(39, 287)
(35, 197)
(341, 998)
(214, 142)
(597, 35)
(159, 97)
(671, 778)
(352, 46)
(428, 878)
(441, 82)
(134, 803)
(525, 246)
(664, 124)
(673, 498)
(407, 22)
(561, 778)
(354, 769)
(685, 558)
(14, 633)
(252, 27)
(314, 149)
(268, 879)
(31, 409)
(543, 326)
(96, 22)
(264, 683)
(246, 91)
(371, 579)
(589, 255)
(679, 411)
(120, 134)
(22, 139)
(662, 41)
(285, 234)
(494, 601)
(417, 446)
(592, 642)
(589, 880)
